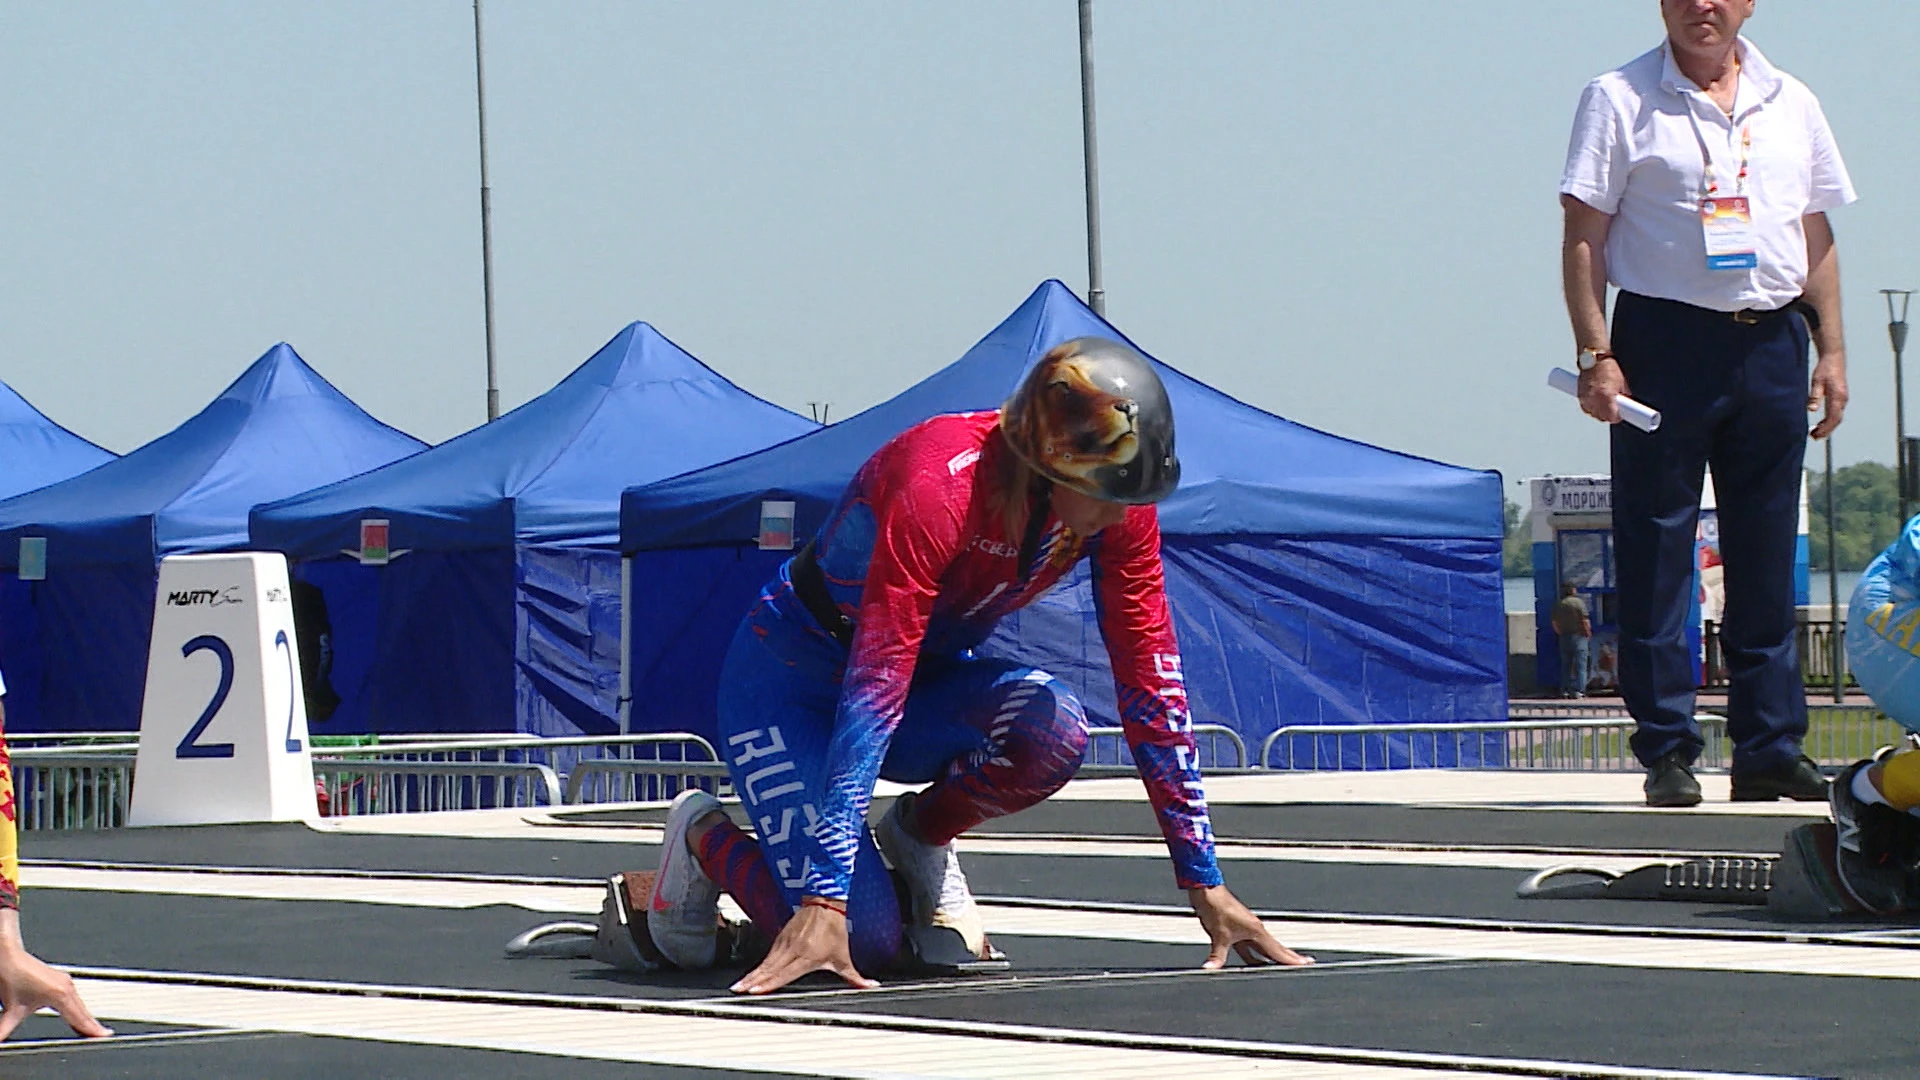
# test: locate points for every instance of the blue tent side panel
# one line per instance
(35, 451)
(417, 645)
(1279, 631)
(525, 509)
(1293, 559)
(278, 429)
(685, 607)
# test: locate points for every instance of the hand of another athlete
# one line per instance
(1231, 926)
(1599, 387)
(27, 985)
(815, 939)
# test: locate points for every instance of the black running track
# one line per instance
(1650, 1018)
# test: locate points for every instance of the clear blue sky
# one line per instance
(1343, 213)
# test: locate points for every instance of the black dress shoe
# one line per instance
(1799, 780)
(1670, 782)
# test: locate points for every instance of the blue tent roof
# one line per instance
(552, 470)
(37, 451)
(1244, 471)
(279, 429)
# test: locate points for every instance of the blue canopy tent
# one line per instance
(35, 451)
(1314, 580)
(77, 658)
(500, 609)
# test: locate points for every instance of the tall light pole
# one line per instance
(486, 219)
(1096, 291)
(1897, 333)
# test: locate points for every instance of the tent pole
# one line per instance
(486, 220)
(1096, 290)
(626, 651)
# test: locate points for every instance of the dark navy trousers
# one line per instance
(1731, 396)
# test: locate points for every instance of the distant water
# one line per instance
(1520, 590)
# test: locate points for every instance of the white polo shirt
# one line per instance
(1637, 153)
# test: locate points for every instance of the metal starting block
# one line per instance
(940, 950)
(1800, 884)
(1708, 880)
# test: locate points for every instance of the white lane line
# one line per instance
(558, 899)
(525, 825)
(764, 1038)
(988, 984)
(1227, 850)
(1611, 949)
(1480, 789)
(1604, 945)
(75, 1044)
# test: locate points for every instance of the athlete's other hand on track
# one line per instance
(815, 939)
(1231, 926)
(28, 985)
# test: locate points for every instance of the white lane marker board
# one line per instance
(1611, 948)
(769, 1038)
(223, 724)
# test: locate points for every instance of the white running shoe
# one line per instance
(683, 907)
(933, 877)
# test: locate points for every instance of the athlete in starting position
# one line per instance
(856, 663)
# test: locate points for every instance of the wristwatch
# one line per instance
(1590, 358)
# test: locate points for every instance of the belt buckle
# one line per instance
(1747, 317)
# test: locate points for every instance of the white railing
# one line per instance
(1595, 744)
(1209, 740)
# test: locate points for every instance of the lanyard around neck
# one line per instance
(1709, 186)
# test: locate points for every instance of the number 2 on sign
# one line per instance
(189, 746)
(280, 642)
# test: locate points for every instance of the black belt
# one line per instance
(810, 585)
(1746, 316)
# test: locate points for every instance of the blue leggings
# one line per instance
(991, 735)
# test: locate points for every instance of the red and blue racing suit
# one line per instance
(916, 556)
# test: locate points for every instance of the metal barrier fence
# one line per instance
(517, 770)
(639, 780)
(1208, 739)
(1595, 743)
(1843, 734)
(396, 787)
(89, 786)
(55, 788)
(1813, 637)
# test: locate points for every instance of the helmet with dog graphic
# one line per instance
(1093, 415)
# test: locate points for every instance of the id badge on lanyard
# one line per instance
(1726, 220)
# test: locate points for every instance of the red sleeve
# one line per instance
(1130, 594)
(918, 520)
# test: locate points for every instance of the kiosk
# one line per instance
(1571, 519)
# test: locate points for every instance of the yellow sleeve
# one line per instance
(9, 839)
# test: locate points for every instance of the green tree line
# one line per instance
(1866, 518)
(1866, 515)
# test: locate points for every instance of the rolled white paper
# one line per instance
(1631, 411)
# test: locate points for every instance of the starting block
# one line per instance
(1801, 884)
(940, 950)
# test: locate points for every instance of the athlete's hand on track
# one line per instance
(27, 985)
(815, 939)
(1231, 926)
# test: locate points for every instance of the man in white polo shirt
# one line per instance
(1698, 181)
